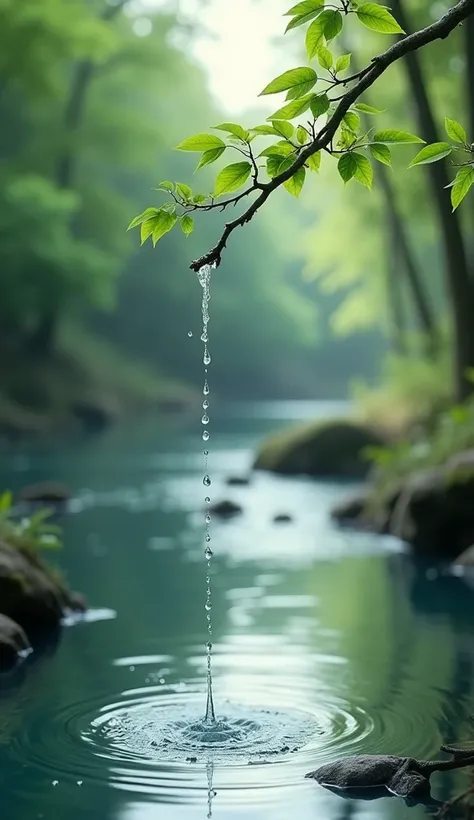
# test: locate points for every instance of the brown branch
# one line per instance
(436, 31)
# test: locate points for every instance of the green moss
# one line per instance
(332, 448)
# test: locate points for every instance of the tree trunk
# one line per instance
(421, 303)
(469, 35)
(460, 290)
(395, 307)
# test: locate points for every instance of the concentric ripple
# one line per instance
(177, 732)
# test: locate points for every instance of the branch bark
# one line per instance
(436, 31)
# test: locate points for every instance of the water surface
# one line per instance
(342, 635)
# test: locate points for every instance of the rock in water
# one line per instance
(12, 641)
(238, 481)
(225, 509)
(403, 776)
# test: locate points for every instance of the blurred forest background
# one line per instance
(311, 300)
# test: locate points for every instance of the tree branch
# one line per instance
(436, 31)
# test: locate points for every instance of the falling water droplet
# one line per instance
(206, 481)
(205, 336)
(206, 435)
(190, 333)
(206, 452)
(205, 389)
(207, 357)
(208, 538)
(208, 553)
(205, 404)
(208, 606)
(207, 499)
(208, 518)
(205, 419)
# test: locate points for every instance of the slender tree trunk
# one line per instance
(459, 286)
(395, 307)
(42, 341)
(469, 36)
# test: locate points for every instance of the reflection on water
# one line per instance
(354, 646)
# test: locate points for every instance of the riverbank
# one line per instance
(87, 384)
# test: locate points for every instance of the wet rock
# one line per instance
(46, 492)
(435, 509)
(94, 418)
(332, 449)
(350, 510)
(367, 510)
(225, 509)
(13, 640)
(30, 594)
(238, 481)
(282, 518)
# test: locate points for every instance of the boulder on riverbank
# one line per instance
(13, 641)
(330, 449)
(31, 594)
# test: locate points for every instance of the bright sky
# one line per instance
(240, 55)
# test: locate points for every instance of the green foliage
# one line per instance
(462, 185)
(431, 153)
(31, 534)
(232, 178)
(378, 18)
(298, 80)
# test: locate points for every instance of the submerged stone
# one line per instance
(225, 509)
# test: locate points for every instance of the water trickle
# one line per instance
(204, 276)
(190, 333)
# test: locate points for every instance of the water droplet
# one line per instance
(206, 453)
(208, 553)
(205, 389)
(204, 336)
(207, 499)
(208, 537)
(79, 782)
(162, 680)
(207, 357)
(209, 646)
(208, 606)
(132, 669)
(205, 404)
(206, 435)
(208, 518)
(55, 782)
(205, 419)
(206, 481)
(190, 333)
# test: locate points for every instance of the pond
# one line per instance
(354, 646)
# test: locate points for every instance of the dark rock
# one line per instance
(47, 492)
(350, 510)
(282, 518)
(367, 510)
(29, 593)
(238, 481)
(402, 776)
(12, 641)
(225, 509)
(93, 417)
(76, 601)
(333, 449)
(435, 510)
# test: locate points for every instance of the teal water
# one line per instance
(326, 643)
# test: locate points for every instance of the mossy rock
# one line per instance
(331, 449)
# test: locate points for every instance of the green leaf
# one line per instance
(364, 173)
(6, 501)
(392, 135)
(201, 142)
(305, 7)
(302, 79)
(352, 121)
(347, 167)
(325, 58)
(301, 135)
(315, 37)
(333, 24)
(463, 182)
(232, 177)
(347, 138)
(233, 128)
(146, 214)
(319, 105)
(283, 128)
(264, 129)
(368, 109)
(431, 153)
(278, 149)
(292, 109)
(294, 185)
(301, 19)
(378, 18)
(199, 199)
(381, 153)
(343, 62)
(183, 190)
(187, 224)
(146, 229)
(314, 161)
(455, 131)
(210, 156)
(163, 223)
(167, 186)
(276, 165)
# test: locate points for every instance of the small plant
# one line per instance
(31, 534)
